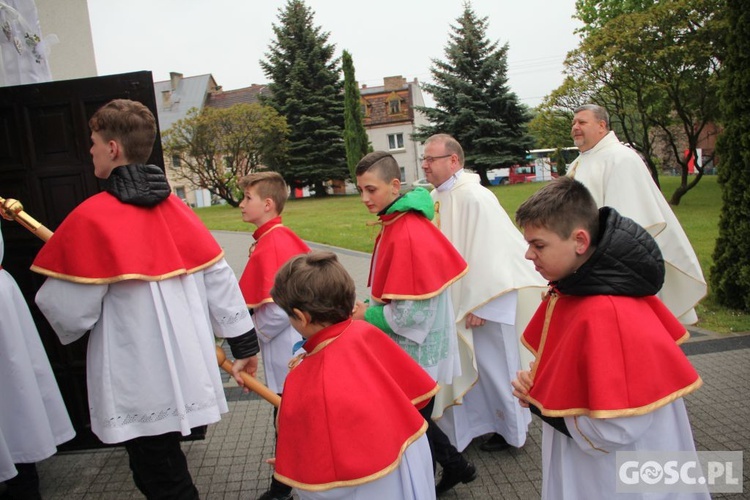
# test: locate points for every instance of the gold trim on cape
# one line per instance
(428, 295)
(360, 481)
(620, 412)
(124, 277)
(545, 329)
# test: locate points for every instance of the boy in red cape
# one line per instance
(136, 266)
(609, 375)
(264, 200)
(413, 264)
(348, 424)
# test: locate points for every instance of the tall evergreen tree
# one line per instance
(730, 274)
(474, 103)
(306, 89)
(355, 136)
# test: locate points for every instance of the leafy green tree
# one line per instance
(596, 13)
(676, 81)
(655, 68)
(730, 274)
(217, 146)
(306, 89)
(550, 128)
(355, 136)
(601, 86)
(618, 93)
(473, 101)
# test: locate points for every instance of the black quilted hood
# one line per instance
(627, 261)
(141, 185)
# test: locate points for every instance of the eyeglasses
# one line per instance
(429, 159)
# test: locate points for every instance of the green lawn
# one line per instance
(342, 221)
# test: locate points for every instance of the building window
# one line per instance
(394, 106)
(180, 192)
(176, 161)
(364, 106)
(395, 141)
(403, 174)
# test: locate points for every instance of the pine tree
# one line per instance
(474, 103)
(730, 274)
(306, 89)
(355, 136)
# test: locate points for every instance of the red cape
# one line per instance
(104, 241)
(274, 245)
(349, 409)
(607, 356)
(412, 259)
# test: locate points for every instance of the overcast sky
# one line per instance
(227, 38)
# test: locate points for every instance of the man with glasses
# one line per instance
(492, 303)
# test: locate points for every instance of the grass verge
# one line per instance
(341, 221)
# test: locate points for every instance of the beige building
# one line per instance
(72, 54)
(390, 119)
(174, 99)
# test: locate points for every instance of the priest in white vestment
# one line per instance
(492, 303)
(617, 177)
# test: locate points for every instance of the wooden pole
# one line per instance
(250, 382)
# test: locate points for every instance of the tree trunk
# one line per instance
(652, 168)
(320, 189)
(684, 186)
(483, 179)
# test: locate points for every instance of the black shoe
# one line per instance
(494, 443)
(276, 495)
(277, 491)
(465, 473)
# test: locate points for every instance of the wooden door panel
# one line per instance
(61, 193)
(10, 144)
(53, 136)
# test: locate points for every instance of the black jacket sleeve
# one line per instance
(557, 422)
(245, 345)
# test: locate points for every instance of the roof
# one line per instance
(173, 104)
(381, 89)
(228, 98)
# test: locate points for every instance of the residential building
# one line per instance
(174, 99)
(228, 98)
(390, 119)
